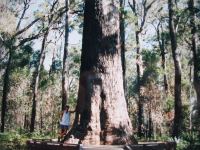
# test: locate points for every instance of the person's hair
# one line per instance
(67, 106)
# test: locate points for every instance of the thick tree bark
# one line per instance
(65, 65)
(196, 57)
(102, 116)
(178, 116)
(35, 82)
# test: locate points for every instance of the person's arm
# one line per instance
(72, 111)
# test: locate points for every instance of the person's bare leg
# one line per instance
(60, 136)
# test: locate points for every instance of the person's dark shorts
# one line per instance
(64, 126)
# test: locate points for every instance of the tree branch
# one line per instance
(33, 37)
(27, 27)
(26, 6)
(146, 9)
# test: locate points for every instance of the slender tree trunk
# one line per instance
(52, 124)
(140, 26)
(138, 59)
(6, 79)
(140, 103)
(26, 122)
(35, 83)
(178, 117)
(190, 97)
(36, 74)
(65, 65)
(161, 42)
(122, 37)
(53, 60)
(101, 110)
(6, 82)
(41, 120)
(150, 127)
(123, 49)
(196, 57)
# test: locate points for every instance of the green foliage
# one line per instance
(151, 72)
(35, 58)
(16, 140)
(130, 18)
(56, 65)
(77, 23)
(169, 104)
(12, 141)
(21, 57)
(44, 79)
(186, 115)
(189, 140)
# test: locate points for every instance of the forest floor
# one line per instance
(16, 141)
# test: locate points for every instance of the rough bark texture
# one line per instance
(65, 65)
(102, 116)
(178, 116)
(196, 57)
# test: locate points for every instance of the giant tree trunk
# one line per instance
(35, 82)
(178, 116)
(196, 58)
(102, 115)
(65, 65)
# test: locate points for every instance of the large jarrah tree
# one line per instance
(102, 116)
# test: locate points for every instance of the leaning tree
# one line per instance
(101, 112)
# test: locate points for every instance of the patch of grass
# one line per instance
(15, 141)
